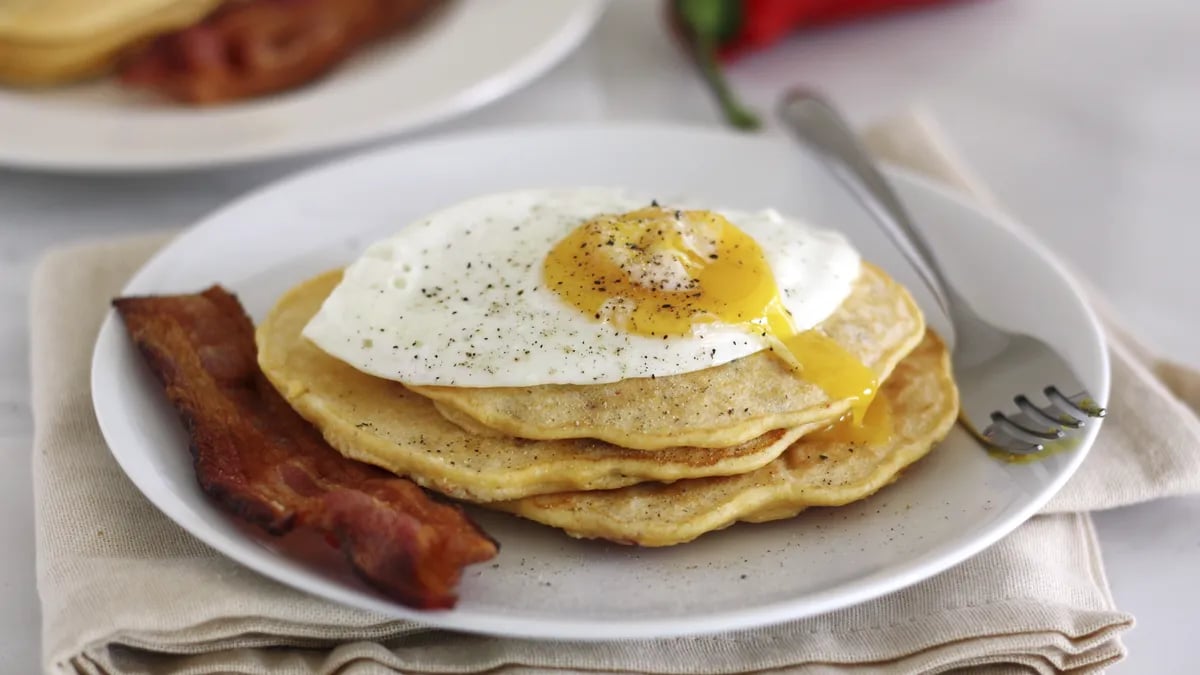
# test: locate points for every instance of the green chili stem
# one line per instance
(704, 52)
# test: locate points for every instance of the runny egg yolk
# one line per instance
(656, 272)
(874, 429)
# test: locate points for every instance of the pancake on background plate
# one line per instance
(199, 52)
(49, 42)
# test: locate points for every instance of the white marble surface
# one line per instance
(1083, 115)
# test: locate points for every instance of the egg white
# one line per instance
(457, 298)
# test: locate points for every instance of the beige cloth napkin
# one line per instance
(126, 591)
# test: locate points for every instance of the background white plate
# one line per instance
(949, 506)
(467, 55)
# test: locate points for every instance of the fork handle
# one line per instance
(815, 123)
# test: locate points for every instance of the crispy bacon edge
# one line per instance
(250, 48)
(260, 461)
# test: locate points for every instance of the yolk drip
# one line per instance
(656, 272)
(875, 428)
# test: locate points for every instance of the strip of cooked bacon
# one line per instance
(259, 460)
(254, 47)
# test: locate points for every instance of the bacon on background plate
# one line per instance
(250, 48)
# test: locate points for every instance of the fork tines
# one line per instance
(1030, 429)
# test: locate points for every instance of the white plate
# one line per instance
(469, 54)
(948, 507)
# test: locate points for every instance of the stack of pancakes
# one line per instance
(649, 461)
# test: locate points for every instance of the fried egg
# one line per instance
(586, 286)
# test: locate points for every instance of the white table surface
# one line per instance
(1082, 115)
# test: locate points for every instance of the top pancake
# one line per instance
(879, 323)
(380, 422)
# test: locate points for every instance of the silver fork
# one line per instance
(993, 367)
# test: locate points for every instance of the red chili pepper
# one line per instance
(729, 28)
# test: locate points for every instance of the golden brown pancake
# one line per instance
(817, 470)
(48, 42)
(879, 323)
(383, 423)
